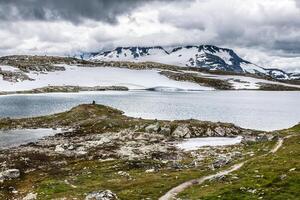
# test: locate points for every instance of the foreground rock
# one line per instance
(30, 196)
(182, 131)
(9, 174)
(102, 195)
(101, 138)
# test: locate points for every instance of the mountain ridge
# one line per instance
(202, 56)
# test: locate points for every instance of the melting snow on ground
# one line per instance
(196, 143)
(242, 82)
(8, 68)
(100, 76)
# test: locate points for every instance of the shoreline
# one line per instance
(129, 153)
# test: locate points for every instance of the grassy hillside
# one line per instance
(275, 176)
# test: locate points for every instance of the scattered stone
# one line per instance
(220, 131)
(30, 196)
(59, 148)
(165, 131)
(221, 161)
(152, 128)
(9, 174)
(252, 191)
(182, 131)
(122, 173)
(150, 170)
(283, 176)
(293, 169)
(102, 195)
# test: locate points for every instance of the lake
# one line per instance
(261, 110)
(13, 138)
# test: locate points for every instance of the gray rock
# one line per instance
(152, 128)
(30, 196)
(262, 138)
(9, 174)
(165, 131)
(221, 161)
(59, 148)
(220, 131)
(182, 131)
(102, 195)
(209, 132)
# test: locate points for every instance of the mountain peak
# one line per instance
(203, 56)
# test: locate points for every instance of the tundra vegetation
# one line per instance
(105, 153)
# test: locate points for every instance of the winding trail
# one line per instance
(171, 194)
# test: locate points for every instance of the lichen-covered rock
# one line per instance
(221, 161)
(182, 131)
(209, 132)
(152, 128)
(102, 195)
(30, 196)
(59, 148)
(9, 174)
(220, 131)
(165, 131)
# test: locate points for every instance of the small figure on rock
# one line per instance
(94, 102)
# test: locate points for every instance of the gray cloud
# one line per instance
(273, 25)
(70, 10)
(268, 32)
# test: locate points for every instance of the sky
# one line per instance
(265, 32)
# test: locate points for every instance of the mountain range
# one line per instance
(203, 56)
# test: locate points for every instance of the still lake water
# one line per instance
(249, 109)
(13, 138)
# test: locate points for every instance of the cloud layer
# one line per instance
(70, 10)
(267, 32)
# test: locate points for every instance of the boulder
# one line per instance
(209, 132)
(221, 161)
(9, 174)
(220, 131)
(30, 196)
(152, 128)
(165, 131)
(102, 195)
(262, 138)
(182, 131)
(59, 148)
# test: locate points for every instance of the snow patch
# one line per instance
(99, 76)
(196, 143)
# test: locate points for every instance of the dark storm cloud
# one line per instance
(69, 10)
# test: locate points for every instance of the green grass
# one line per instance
(271, 186)
(91, 176)
(95, 175)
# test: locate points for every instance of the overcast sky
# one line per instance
(266, 32)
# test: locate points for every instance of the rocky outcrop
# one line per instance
(152, 128)
(102, 195)
(182, 131)
(14, 77)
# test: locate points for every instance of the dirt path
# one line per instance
(174, 191)
(277, 146)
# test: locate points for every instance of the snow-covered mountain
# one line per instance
(204, 56)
